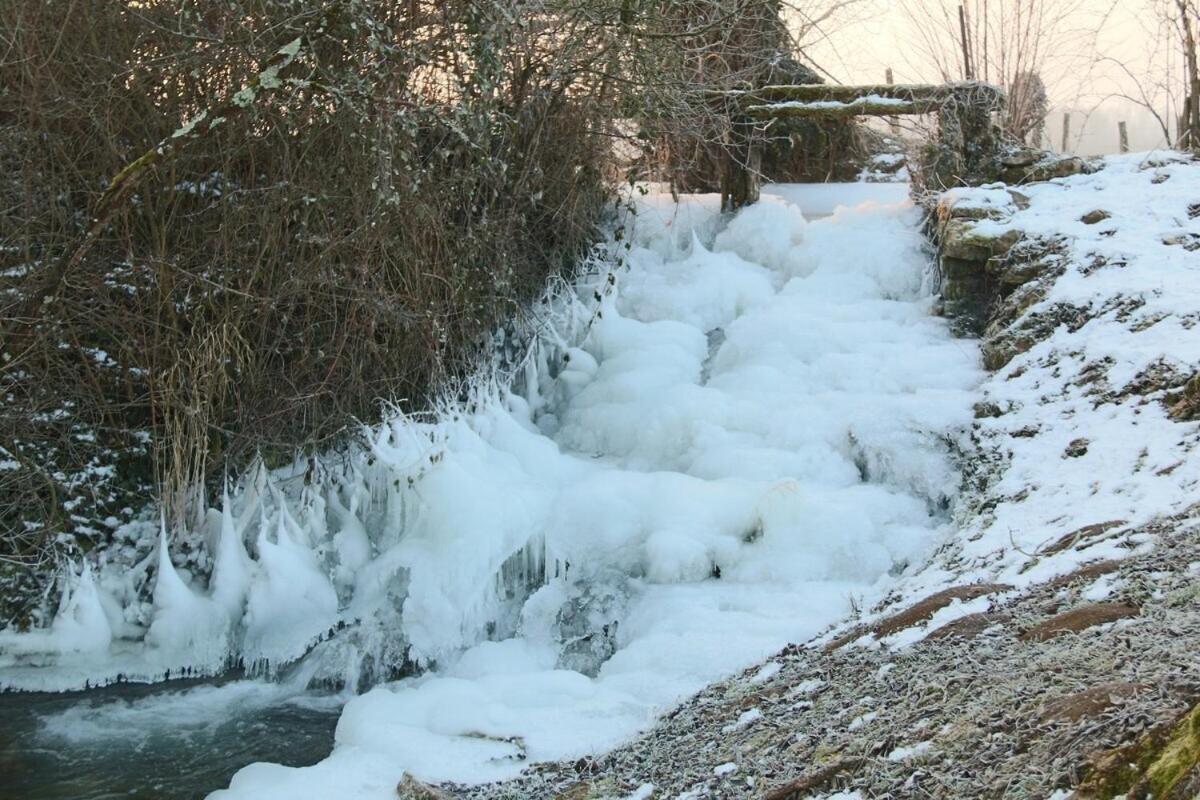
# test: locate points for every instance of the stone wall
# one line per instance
(985, 269)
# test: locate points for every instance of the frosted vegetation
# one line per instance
(728, 433)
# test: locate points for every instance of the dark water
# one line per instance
(170, 741)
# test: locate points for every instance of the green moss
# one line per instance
(1178, 757)
(961, 239)
(1153, 766)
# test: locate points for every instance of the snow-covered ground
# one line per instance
(721, 447)
(1080, 415)
(1074, 451)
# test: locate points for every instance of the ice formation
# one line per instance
(711, 450)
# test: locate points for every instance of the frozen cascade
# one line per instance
(707, 453)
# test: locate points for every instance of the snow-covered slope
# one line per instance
(1048, 650)
(740, 436)
(1076, 453)
(1080, 412)
(1090, 353)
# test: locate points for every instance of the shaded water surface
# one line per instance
(172, 741)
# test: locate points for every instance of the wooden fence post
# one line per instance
(1123, 136)
(893, 122)
(1066, 129)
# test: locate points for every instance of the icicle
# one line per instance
(316, 523)
(533, 394)
(167, 585)
(291, 604)
(81, 624)
(184, 622)
(255, 482)
(232, 568)
(288, 526)
(351, 541)
(395, 513)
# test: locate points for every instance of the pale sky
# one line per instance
(1085, 70)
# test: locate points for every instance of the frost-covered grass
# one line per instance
(720, 448)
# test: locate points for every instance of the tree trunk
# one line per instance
(1190, 135)
(740, 178)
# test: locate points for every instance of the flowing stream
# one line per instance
(170, 741)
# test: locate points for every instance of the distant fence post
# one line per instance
(1123, 134)
(1066, 130)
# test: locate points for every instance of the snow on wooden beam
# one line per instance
(913, 92)
(869, 106)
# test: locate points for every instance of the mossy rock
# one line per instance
(1001, 344)
(1163, 763)
(948, 209)
(962, 240)
(1013, 306)
(1048, 168)
(1021, 157)
(1014, 271)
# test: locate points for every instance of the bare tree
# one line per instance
(1164, 80)
(1014, 44)
(1027, 107)
(1187, 20)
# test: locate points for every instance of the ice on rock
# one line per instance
(704, 290)
(185, 623)
(586, 624)
(80, 626)
(578, 370)
(667, 228)
(292, 603)
(771, 236)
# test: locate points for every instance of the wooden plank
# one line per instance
(862, 107)
(818, 92)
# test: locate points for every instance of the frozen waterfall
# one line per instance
(713, 448)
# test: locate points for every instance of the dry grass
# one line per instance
(352, 233)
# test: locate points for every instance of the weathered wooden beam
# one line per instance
(827, 109)
(818, 92)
